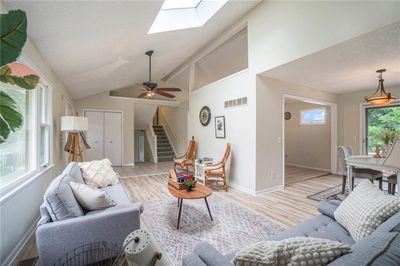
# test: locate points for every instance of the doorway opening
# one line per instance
(309, 138)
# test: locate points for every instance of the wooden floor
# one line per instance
(287, 207)
(295, 174)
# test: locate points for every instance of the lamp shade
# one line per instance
(74, 123)
(393, 158)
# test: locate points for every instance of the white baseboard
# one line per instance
(258, 192)
(243, 189)
(269, 190)
(128, 164)
(10, 260)
(308, 167)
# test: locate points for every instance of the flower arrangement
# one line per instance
(189, 182)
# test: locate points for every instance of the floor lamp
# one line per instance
(74, 125)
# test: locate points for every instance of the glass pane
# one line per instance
(383, 124)
(177, 4)
(316, 116)
(44, 145)
(13, 152)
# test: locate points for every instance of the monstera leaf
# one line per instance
(12, 35)
(28, 82)
(10, 118)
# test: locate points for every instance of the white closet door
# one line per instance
(95, 136)
(113, 137)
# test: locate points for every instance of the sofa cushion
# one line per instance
(365, 209)
(210, 255)
(291, 251)
(391, 224)
(99, 173)
(372, 250)
(74, 171)
(91, 199)
(327, 208)
(320, 226)
(117, 193)
(59, 199)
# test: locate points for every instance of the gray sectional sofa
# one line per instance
(75, 228)
(382, 248)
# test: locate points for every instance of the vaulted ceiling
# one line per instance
(97, 46)
(348, 66)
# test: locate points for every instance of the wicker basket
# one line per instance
(173, 177)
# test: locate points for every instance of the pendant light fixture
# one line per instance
(380, 96)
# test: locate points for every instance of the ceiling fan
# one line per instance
(150, 88)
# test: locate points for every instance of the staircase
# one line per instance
(164, 149)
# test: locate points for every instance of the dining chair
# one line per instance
(393, 160)
(371, 174)
(214, 174)
(188, 158)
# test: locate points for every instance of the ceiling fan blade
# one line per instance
(169, 89)
(142, 94)
(142, 86)
(164, 94)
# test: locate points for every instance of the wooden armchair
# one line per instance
(215, 174)
(188, 159)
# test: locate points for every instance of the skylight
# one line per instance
(185, 14)
(178, 4)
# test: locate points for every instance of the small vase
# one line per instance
(188, 188)
(377, 151)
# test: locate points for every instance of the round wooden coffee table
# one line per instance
(198, 192)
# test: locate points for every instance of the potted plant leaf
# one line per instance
(13, 27)
(387, 137)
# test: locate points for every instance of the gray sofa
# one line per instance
(382, 248)
(75, 228)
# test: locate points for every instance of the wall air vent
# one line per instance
(235, 102)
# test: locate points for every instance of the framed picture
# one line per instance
(220, 127)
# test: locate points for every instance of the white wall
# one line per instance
(102, 101)
(269, 158)
(20, 210)
(282, 31)
(176, 118)
(239, 123)
(307, 145)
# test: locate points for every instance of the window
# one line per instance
(313, 117)
(184, 14)
(177, 4)
(27, 150)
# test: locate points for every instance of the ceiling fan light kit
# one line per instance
(151, 88)
(380, 97)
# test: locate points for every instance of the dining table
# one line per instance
(370, 162)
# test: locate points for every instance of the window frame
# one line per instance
(302, 123)
(38, 169)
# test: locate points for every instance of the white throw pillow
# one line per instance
(365, 209)
(91, 199)
(99, 173)
(294, 251)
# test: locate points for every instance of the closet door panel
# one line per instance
(95, 136)
(113, 137)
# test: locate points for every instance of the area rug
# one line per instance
(233, 226)
(335, 193)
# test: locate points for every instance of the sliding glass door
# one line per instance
(381, 124)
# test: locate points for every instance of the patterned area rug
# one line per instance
(335, 193)
(233, 226)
